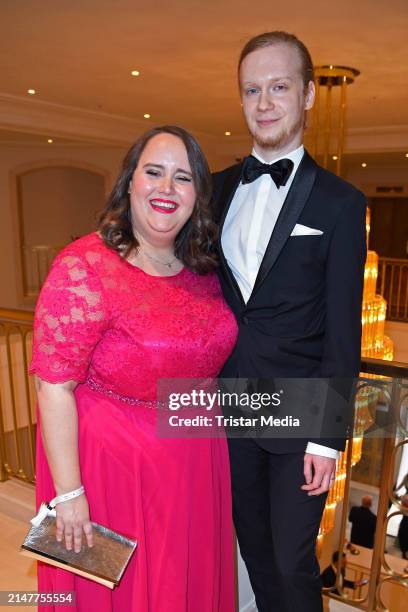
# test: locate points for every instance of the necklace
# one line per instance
(168, 264)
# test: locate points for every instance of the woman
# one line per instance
(120, 309)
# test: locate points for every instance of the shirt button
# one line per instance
(245, 320)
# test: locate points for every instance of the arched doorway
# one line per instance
(56, 203)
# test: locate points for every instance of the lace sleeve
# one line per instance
(70, 319)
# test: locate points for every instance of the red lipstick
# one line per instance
(163, 205)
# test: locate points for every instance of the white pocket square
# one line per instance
(303, 230)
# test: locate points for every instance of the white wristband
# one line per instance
(48, 509)
(67, 496)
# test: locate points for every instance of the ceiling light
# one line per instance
(50, 141)
(227, 133)
(146, 116)
(406, 154)
(335, 158)
(32, 92)
(364, 165)
(135, 73)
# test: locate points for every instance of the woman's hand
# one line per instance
(59, 430)
(72, 521)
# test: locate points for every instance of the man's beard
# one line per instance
(278, 141)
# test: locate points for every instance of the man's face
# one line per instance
(273, 97)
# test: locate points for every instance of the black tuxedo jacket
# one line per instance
(303, 318)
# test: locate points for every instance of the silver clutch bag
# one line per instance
(104, 563)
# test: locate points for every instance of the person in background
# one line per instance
(329, 575)
(363, 522)
(121, 308)
(403, 529)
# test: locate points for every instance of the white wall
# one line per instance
(15, 158)
(103, 158)
(368, 179)
(398, 332)
(58, 203)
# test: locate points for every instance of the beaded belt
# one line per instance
(133, 401)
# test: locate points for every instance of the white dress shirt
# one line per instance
(247, 229)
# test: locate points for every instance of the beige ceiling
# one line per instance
(11, 138)
(80, 53)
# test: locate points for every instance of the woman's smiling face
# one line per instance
(162, 192)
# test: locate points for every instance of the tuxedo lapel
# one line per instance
(227, 192)
(295, 201)
(225, 197)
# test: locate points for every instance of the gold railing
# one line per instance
(17, 403)
(17, 447)
(387, 380)
(392, 283)
(37, 260)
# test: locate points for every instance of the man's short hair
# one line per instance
(268, 39)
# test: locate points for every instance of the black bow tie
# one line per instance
(280, 171)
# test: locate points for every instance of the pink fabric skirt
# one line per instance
(172, 495)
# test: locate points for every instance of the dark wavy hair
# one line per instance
(195, 242)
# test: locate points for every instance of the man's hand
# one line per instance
(361, 582)
(319, 474)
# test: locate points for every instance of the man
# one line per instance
(363, 522)
(292, 265)
(329, 575)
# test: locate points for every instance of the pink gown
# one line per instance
(116, 330)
